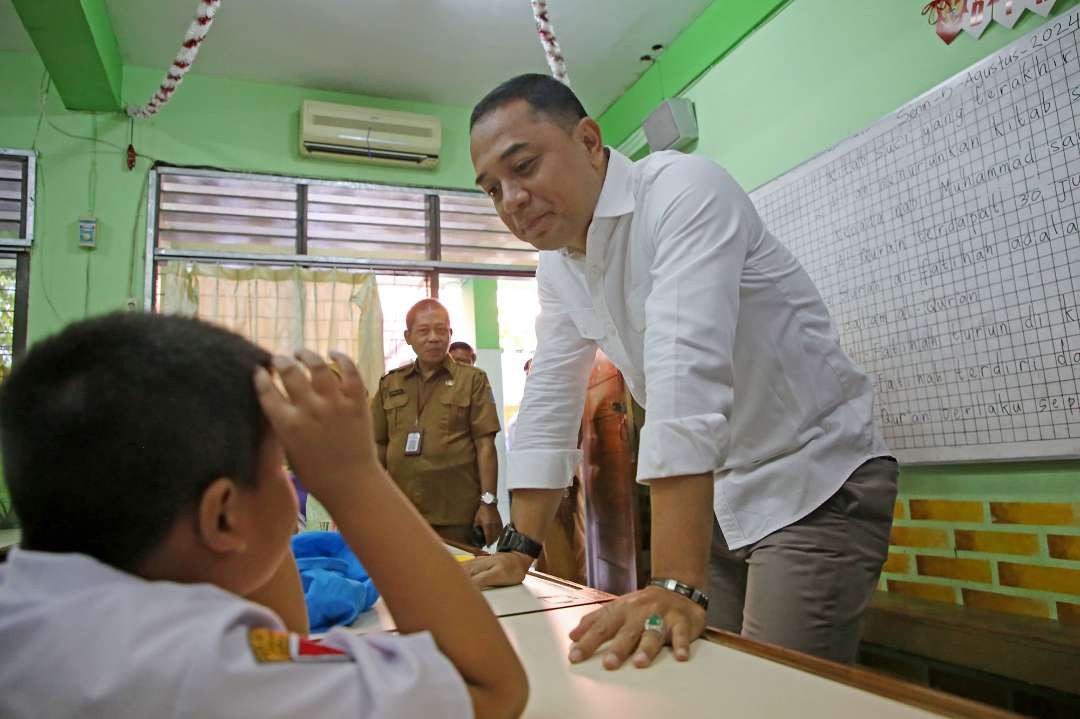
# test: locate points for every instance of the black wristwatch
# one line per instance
(691, 593)
(512, 540)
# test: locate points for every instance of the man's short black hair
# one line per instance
(113, 427)
(461, 346)
(544, 94)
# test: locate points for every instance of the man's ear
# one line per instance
(407, 338)
(219, 517)
(588, 131)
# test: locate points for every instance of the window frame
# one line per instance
(19, 247)
(430, 268)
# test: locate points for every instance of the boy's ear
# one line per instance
(219, 517)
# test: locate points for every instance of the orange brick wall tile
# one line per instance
(973, 570)
(1047, 579)
(946, 510)
(919, 537)
(1069, 613)
(898, 510)
(1005, 603)
(1063, 546)
(897, 563)
(1034, 513)
(935, 592)
(997, 542)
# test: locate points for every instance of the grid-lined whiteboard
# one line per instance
(945, 242)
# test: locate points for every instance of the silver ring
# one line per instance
(655, 623)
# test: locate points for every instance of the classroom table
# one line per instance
(537, 593)
(727, 675)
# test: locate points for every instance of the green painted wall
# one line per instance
(486, 311)
(812, 75)
(210, 121)
(713, 34)
(77, 40)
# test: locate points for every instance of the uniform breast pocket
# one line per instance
(456, 412)
(395, 409)
(588, 326)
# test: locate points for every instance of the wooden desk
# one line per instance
(727, 675)
(719, 680)
(538, 593)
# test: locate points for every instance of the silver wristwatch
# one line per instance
(487, 498)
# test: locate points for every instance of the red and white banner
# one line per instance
(950, 17)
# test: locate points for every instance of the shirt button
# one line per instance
(594, 272)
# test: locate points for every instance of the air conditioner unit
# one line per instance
(367, 134)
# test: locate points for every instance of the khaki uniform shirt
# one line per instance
(443, 481)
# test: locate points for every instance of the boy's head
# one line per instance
(138, 439)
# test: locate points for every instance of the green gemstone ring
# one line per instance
(654, 624)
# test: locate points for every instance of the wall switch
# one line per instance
(87, 232)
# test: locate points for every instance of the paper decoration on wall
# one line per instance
(949, 17)
(552, 51)
(185, 58)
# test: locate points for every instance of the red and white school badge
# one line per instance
(271, 645)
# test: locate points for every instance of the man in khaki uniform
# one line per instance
(435, 424)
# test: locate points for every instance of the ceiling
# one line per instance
(441, 51)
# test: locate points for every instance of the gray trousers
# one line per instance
(805, 586)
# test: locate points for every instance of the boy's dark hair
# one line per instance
(113, 427)
(544, 94)
(460, 346)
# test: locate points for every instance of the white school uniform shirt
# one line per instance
(720, 335)
(81, 639)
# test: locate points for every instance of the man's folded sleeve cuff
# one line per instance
(677, 447)
(541, 468)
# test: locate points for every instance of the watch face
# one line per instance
(487, 498)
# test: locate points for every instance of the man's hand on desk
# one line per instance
(623, 622)
(501, 569)
(488, 519)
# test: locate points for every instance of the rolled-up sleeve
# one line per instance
(545, 453)
(702, 224)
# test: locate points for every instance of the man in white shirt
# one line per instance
(757, 423)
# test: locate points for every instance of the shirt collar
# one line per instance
(617, 195)
(447, 364)
(48, 573)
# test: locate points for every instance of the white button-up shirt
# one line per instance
(81, 639)
(720, 335)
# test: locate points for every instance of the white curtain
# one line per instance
(283, 309)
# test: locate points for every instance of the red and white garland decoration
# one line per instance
(200, 26)
(555, 58)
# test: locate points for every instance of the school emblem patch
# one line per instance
(271, 645)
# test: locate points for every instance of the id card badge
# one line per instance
(412, 443)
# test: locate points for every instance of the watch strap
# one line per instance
(691, 593)
(512, 540)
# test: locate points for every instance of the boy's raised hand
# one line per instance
(322, 421)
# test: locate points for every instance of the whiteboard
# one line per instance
(944, 240)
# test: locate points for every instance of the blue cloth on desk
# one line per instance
(336, 586)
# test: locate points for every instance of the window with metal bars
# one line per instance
(412, 238)
(17, 183)
(17, 176)
(208, 215)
